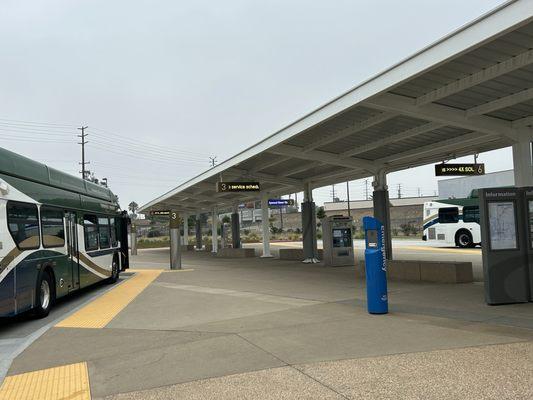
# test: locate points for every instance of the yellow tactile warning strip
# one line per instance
(65, 382)
(442, 249)
(100, 312)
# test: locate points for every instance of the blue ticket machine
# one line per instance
(376, 266)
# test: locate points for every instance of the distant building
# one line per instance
(456, 188)
(407, 211)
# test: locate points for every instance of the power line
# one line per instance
(83, 143)
(50, 124)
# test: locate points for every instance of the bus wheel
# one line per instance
(45, 295)
(464, 239)
(114, 270)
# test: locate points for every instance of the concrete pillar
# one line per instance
(523, 174)
(198, 232)
(214, 229)
(185, 240)
(309, 227)
(265, 225)
(175, 242)
(235, 229)
(381, 202)
(133, 240)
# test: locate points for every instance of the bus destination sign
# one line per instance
(238, 187)
(459, 169)
(280, 202)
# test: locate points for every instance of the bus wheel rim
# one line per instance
(463, 239)
(45, 294)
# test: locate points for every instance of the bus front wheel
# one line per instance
(463, 239)
(115, 270)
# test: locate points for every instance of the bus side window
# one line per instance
(471, 214)
(104, 233)
(448, 215)
(52, 227)
(114, 235)
(90, 230)
(23, 224)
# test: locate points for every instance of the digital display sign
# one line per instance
(459, 169)
(280, 202)
(238, 187)
(163, 212)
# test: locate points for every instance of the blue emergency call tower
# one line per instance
(375, 266)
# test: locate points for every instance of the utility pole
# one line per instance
(418, 192)
(333, 193)
(83, 143)
(366, 189)
(213, 161)
(348, 197)
(399, 190)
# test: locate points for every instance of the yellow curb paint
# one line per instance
(65, 382)
(100, 312)
(439, 249)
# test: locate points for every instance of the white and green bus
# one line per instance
(58, 234)
(452, 222)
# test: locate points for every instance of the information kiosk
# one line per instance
(505, 229)
(337, 239)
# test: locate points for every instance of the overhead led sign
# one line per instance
(459, 169)
(238, 187)
(158, 212)
(280, 202)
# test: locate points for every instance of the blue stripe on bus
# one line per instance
(436, 221)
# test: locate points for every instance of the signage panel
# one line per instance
(238, 187)
(160, 212)
(459, 169)
(280, 202)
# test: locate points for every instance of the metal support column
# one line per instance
(523, 174)
(198, 232)
(185, 240)
(309, 227)
(133, 239)
(381, 202)
(214, 230)
(265, 225)
(175, 243)
(235, 229)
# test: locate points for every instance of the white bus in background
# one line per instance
(453, 222)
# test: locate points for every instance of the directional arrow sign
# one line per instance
(238, 187)
(459, 169)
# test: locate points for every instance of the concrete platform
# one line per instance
(425, 271)
(267, 329)
(296, 254)
(229, 252)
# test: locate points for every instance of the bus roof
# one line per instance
(24, 168)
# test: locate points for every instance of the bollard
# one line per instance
(376, 266)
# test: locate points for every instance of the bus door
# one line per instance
(72, 247)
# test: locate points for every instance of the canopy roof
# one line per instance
(470, 92)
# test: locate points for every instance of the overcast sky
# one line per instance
(165, 84)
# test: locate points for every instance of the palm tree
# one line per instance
(133, 207)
